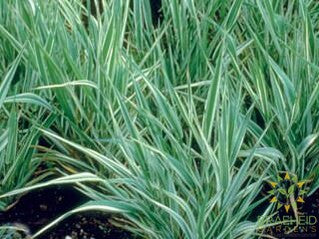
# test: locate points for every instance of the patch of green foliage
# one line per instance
(173, 123)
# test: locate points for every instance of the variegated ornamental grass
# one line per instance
(173, 124)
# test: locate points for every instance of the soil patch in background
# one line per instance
(38, 208)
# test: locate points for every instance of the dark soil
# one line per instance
(36, 209)
(87, 226)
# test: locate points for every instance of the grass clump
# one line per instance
(174, 123)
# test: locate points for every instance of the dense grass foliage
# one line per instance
(174, 122)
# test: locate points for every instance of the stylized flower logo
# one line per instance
(287, 192)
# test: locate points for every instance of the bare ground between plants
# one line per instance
(36, 209)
